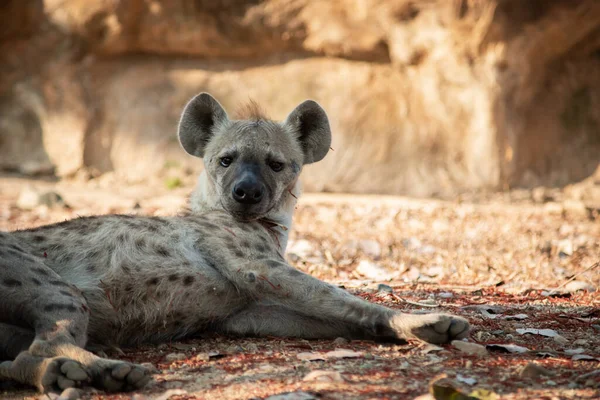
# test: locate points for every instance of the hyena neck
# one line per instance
(205, 198)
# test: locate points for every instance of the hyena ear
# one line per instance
(309, 121)
(198, 121)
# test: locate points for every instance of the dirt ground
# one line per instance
(520, 266)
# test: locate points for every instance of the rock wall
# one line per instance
(427, 97)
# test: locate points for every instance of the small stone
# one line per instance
(572, 352)
(597, 327)
(576, 286)
(575, 207)
(150, 367)
(533, 370)
(292, 396)
(301, 249)
(446, 295)
(561, 340)
(383, 288)
(175, 357)
(70, 394)
(580, 342)
(341, 341)
(31, 198)
(371, 248)
(252, 347)
(324, 376)
(550, 383)
(373, 271)
(470, 348)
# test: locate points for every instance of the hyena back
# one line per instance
(117, 280)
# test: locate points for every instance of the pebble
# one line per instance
(382, 287)
(175, 357)
(373, 271)
(470, 348)
(30, 198)
(561, 340)
(324, 376)
(292, 396)
(340, 341)
(576, 286)
(446, 295)
(533, 370)
(70, 394)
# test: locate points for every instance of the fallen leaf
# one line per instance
(310, 356)
(583, 357)
(337, 353)
(343, 353)
(507, 348)
(518, 317)
(323, 376)
(572, 352)
(466, 380)
(542, 332)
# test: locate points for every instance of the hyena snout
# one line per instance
(248, 190)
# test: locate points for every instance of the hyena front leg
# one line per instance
(277, 282)
(261, 319)
(57, 316)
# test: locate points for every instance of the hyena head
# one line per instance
(251, 164)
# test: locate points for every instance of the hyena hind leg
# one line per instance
(58, 310)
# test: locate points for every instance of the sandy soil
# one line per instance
(505, 262)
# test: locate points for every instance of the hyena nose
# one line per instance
(248, 192)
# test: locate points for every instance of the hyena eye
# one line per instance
(226, 161)
(276, 166)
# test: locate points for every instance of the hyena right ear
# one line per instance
(198, 121)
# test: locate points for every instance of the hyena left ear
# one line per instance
(309, 122)
(198, 121)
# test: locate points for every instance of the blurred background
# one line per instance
(426, 98)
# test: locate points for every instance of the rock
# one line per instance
(581, 342)
(445, 295)
(47, 117)
(341, 341)
(560, 340)
(373, 271)
(70, 394)
(574, 207)
(252, 347)
(175, 357)
(371, 248)
(576, 286)
(470, 348)
(301, 248)
(30, 198)
(292, 396)
(533, 370)
(383, 288)
(324, 376)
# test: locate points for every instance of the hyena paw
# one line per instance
(432, 328)
(117, 376)
(63, 373)
(47, 374)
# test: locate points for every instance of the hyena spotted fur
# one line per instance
(105, 282)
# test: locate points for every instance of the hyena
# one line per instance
(104, 282)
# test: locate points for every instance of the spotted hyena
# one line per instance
(103, 282)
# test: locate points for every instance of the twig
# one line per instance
(414, 303)
(591, 267)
